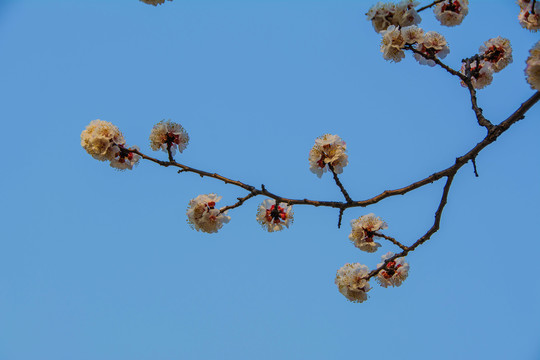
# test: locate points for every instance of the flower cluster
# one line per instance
(451, 12)
(167, 134)
(393, 272)
(328, 150)
(382, 15)
(529, 16)
(363, 231)
(203, 216)
(105, 142)
(493, 56)
(273, 218)
(351, 282)
(154, 2)
(426, 45)
(533, 67)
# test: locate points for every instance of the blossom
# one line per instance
(124, 159)
(481, 74)
(432, 45)
(168, 132)
(363, 230)
(154, 2)
(497, 52)
(100, 138)
(328, 150)
(382, 15)
(352, 283)
(203, 216)
(273, 219)
(394, 272)
(528, 18)
(452, 12)
(391, 44)
(412, 34)
(533, 67)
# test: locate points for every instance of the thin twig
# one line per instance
(430, 5)
(341, 210)
(391, 239)
(340, 185)
(239, 203)
(427, 235)
(474, 166)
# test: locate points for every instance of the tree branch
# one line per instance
(430, 5)
(340, 185)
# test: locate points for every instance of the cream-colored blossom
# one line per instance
(481, 74)
(532, 71)
(363, 231)
(392, 44)
(433, 44)
(497, 52)
(168, 132)
(351, 282)
(123, 159)
(203, 215)
(328, 150)
(382, 15)
(154, 2)
(452, 12)
(100, 138)
(412, 34)
(394, 272)
(272, 219)
(528, 18)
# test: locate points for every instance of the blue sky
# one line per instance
(100, 264)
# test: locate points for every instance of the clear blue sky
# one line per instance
(100, 264)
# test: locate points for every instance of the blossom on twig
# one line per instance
(451, 12)
(528, 17)
(328, 150)
(497, 52)
(203, 215)
(168, 133)
(272, 218)
(532, 71)
(352, 283)
(382, 15)
(99, 139)
(363, 230)
(124, 159)
(481, 74)
(394, 272)
(433, 45)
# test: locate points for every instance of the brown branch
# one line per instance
(391, 239)
(340, 185)
(239, 203)
(427, 235)
(341, 211)
(492, 136)
(430, 5)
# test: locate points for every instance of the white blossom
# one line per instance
(363, 230)
(168, 132)
(273, 219)
(481, 74)
(123, 159)
(394, 272)
(382, 15)
(392, 44)
(100, 138)
(532, 71)
(433, 44)
(351, 282)
(451, 12)
(497, 52)
(528, 18)
(412, 34)
(154, 2)
(328, 150)
(203, 215)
